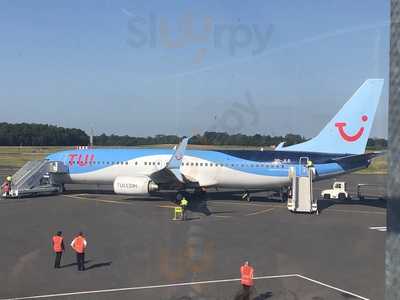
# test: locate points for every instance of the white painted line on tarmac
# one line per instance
(185, 284)
(332, 287)
(145, 287)
(381, 228)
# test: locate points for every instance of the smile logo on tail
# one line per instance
(351, 138)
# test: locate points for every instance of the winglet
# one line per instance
(280, 146)
(176, 159)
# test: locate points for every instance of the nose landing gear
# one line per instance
(246, 196)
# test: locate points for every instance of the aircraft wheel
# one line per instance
(246, 196)
(284, 197)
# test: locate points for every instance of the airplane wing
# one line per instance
(171, 175)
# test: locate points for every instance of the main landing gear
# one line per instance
(198, 194)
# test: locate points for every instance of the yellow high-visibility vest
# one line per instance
(184, 202)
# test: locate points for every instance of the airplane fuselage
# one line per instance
(242, 169)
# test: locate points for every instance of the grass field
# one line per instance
(17, 156)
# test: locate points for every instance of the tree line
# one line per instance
(208, 138)
(25, 134)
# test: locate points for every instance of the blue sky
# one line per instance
(178, 67)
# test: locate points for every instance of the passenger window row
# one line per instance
(184, 164)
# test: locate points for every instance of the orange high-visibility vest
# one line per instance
(79, 244)
(246, 275)
(57, 243)
(6, 187)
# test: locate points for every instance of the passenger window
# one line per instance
(197, 164)
(145, 163)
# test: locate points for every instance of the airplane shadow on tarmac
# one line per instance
(199, 203)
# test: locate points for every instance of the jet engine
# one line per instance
(134, 185)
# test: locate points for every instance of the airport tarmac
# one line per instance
(136, 251)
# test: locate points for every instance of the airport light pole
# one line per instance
(392, 255)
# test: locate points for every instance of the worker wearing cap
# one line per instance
(247, 273)
(79, 244)
(58, 248)
(184, 203)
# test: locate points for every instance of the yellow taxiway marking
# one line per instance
(97, 200)
(246, 204)
(219, 216)
(261, 211)
(168, 206)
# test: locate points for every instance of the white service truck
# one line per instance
(338, 191)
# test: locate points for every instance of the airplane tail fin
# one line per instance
(349, 129)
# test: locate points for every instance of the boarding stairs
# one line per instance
(302, 199)
(36, 177)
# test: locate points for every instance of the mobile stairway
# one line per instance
(301, 198)
(38, 177)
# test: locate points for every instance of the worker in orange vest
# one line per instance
(79, 244)
(6, 186)
(246, 280)
(58, 247)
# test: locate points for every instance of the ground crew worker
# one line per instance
(246, 280)
(5, 187)
(184, 203)
(9, 178)
(58, 247)
(79, 244)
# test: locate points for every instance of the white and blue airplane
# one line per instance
(339, 148)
